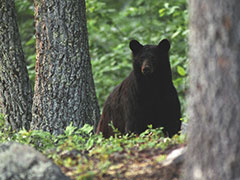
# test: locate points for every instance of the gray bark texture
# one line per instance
(214, 103)
(22, 162)
(15, 88)
(64, 87)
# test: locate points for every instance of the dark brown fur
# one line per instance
(146, 96)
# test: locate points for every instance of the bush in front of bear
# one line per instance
(146, 96)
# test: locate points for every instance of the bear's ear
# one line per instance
(164, 45)
(135, 46)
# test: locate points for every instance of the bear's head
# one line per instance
(151, 60)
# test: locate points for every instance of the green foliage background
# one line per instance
(111, 25)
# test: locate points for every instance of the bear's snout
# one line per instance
(147, 67)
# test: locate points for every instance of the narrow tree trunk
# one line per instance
(214, 102)
(15, 89)
(64, 88)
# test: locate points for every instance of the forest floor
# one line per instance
(134, 164)
(83, 155)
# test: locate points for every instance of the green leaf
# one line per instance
(69, 130)
(181, 71)
(87, 128)
(161, 12)
(90, 143)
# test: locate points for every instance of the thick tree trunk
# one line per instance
(64, 88)
(214, 102)
(15, 89)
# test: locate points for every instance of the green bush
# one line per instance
(25, 18)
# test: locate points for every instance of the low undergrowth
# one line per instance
(81, 154)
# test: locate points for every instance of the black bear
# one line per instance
(146, 96)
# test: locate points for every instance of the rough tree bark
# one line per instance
(15, 88)
(64, 87)
(214, 102)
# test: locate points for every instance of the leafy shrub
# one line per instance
(25, 18)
